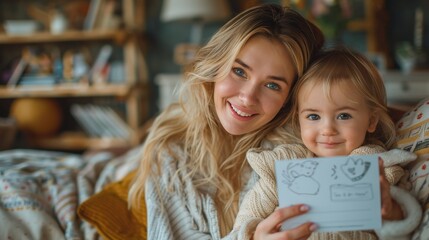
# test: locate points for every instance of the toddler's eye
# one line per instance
(313, 117)
(239, 72)
(344, 116)
(273, 86)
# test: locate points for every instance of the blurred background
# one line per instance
(84, 74)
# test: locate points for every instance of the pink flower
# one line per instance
(319, 8)
(346, 9)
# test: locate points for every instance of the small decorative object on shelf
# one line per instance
(37, 116)
(406, 56)
(58, 22)
(20, 27)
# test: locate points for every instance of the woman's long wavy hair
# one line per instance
(338, 65)
(214, 157)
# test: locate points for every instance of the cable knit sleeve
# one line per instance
(262, 199)
(393, 173)
(175, 207)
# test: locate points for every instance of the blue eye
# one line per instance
(313, 117)
(239, 72)
(273, 86)
(344, 116)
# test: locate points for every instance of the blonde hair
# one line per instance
(340, 65)
(215, 157)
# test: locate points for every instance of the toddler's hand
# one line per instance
(390, 210)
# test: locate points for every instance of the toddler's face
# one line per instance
(335, 125)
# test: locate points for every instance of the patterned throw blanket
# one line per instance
(41, 190)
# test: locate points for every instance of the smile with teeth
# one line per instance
(240, 113)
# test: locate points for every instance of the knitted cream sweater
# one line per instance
(262, 199)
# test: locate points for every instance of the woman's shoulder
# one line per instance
(172, 155)
(171, 160)
(167, 163)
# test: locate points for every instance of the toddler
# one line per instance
(338, 108)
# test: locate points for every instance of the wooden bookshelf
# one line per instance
(46, 37)
(129, 89)
(68, 90)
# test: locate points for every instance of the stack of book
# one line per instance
(100, 121)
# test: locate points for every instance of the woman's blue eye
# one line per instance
(313, 117)
(344, 116)
(239, 72)
(273, 86)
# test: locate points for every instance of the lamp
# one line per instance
(196, 11)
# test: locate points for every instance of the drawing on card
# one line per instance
(334, 172)
(298, 177)
(355, 169)
(342, 191)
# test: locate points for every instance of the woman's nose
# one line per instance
(248, 93)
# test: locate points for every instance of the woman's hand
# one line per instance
(390, 209)
(270, 227)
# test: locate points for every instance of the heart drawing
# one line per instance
(355, 169)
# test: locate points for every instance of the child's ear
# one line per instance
(373, 121)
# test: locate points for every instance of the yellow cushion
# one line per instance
(108, 212)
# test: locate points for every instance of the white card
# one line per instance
(343, 192)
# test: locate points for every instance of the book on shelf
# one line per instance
(100, 121)
(80, 115)
(92, 15)
(37, 80)
(107, 19)
(17, 73)
(122, 129)
(101, 15)
(99, 72)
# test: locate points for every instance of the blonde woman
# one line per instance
(193, 171)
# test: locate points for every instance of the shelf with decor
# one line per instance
(66, 90)
(406, 89)
(99, 70)
(72, 35)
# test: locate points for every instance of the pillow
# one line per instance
(413, 136)
(108, 212)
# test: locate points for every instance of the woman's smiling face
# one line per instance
(256, 88)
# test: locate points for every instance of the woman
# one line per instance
(193, 173)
